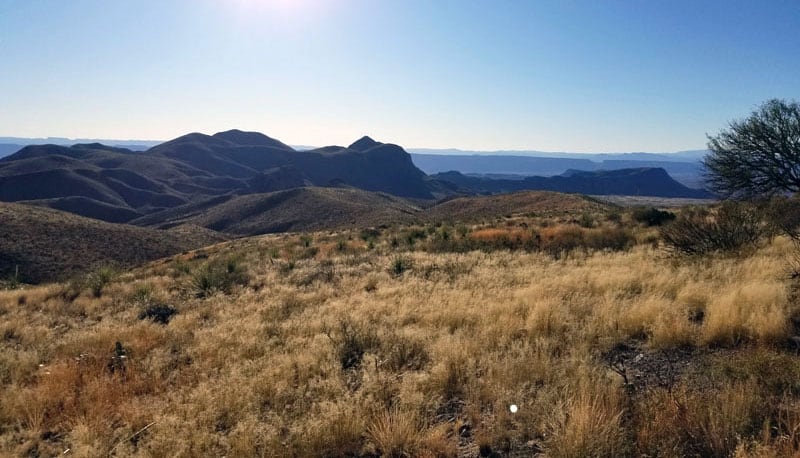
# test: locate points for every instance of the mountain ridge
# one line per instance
(192, 171)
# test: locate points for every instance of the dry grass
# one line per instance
(336, 354)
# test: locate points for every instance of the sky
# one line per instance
(583, 76)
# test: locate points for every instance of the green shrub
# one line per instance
(13, 281)
(219, 275)
(586, 221)
(652, 216)
(98, 279)
(369, 235)
(400, 264)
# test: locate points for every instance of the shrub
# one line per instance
(560, 239)
(586, 221)
(368, 235)
(220, 275)
(324, 273)
(402, 353)
(400, 264)
(142, 294)
(98, 279)
(13, 281)
(652, 216)
(607, 238)
(158, 313)
(736, 225)
(351, 342)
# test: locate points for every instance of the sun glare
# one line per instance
(285, 6)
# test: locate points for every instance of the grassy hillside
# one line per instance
(400, 342)
(299, 209)
(542, 203)
(47, 244)
(44, 244)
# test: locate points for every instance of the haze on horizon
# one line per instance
(515, 75)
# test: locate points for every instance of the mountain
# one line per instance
(119, 185)
(190, 177)
(632, 182)
(10, 145)
(46, 244)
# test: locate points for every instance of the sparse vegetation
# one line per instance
(605, 346)
(218, 276)
(98, 279)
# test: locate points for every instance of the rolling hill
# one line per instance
(293, 210)
(542, 203)
(48, 244)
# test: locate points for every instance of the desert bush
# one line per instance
(13, 280)
(325, 272)
(609, 238)
(614, 217)
(586, 221)
(158, 313)
(142, 295)
(401, 353)
(783, 215)
(351, 340)
(307, 252)
(652, 216)
(560, 239)
(98, 279)
(370, 234)
(400, 264)
(734, 227)
(219, 275)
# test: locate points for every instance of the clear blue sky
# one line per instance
(647, 75)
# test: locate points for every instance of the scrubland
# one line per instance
(413, 342)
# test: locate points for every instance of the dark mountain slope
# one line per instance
(48, 244)
(369, 165)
